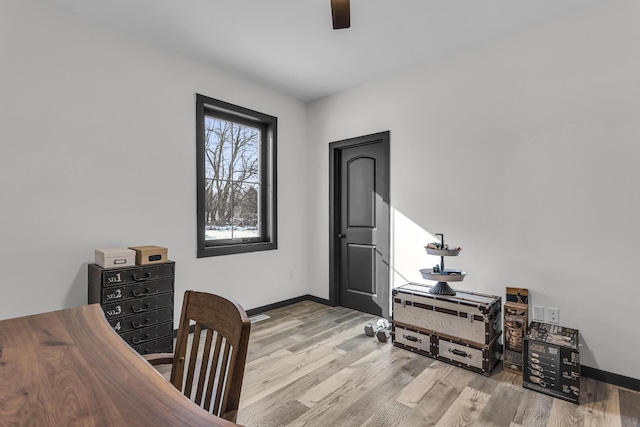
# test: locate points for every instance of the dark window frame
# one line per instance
(206, 106)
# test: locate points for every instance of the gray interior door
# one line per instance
(361, 201)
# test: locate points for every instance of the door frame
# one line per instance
(334, 214)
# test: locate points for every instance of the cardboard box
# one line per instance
(149, 254)
(515, 328)
(552, 361)
(115, 257)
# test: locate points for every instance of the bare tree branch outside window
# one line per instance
(232, 179)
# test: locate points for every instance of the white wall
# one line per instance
(525, 153)
(97, 143)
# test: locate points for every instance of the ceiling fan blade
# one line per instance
(341, 14)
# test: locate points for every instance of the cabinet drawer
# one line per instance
(139, 321)
(137, 274)
(147, 335)
(477, 359)
(161, 345)
(136, 290)
(137, 306)
(412, 339)
(460, 354)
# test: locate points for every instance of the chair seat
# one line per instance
(159, 358)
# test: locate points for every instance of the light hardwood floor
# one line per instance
(312, 365)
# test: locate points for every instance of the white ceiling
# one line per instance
(291, 46)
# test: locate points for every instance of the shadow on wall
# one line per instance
(78, 293)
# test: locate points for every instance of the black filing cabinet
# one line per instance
(138, 303)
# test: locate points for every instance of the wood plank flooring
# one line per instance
(312, 365)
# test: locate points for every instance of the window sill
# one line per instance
(208, 251)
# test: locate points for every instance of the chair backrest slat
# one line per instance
(214, 372)
(193, 359)
(231, 368)
(204, 365)
(222, 377)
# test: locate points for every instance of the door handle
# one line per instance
(342, 236)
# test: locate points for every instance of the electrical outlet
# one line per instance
(553, 315)
(538, 313)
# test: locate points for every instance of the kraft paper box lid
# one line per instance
(148, 249)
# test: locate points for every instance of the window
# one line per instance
(236, 155)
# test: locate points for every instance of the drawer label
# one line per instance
(115, 295)
(115, 311)
(114, 279)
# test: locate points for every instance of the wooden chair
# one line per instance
(216, 377)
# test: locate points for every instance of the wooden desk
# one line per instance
(69, 368)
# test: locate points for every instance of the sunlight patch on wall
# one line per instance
(408, 254)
